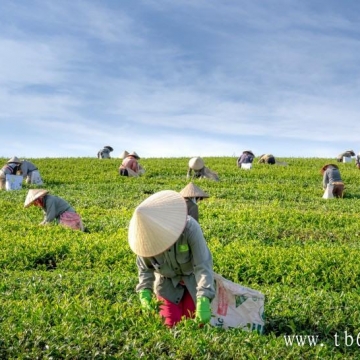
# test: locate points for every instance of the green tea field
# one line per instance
(66, 294)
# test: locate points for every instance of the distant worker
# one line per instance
(246, 157)
(173, 260)
(197, 165)
(267, 159)
(130, 165)
(30, 172)
(10, 168)
(54, 208)
(346, 154)
(358, 160)
(331, 176)
(105, 152)
(192, 195)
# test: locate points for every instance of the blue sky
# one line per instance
(179, 78)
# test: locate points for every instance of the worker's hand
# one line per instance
(145, 297)
(203, 311)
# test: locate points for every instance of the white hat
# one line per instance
(191, 191)
(124, 154)
(196, 163)
(157, 223)
(14, 159)
(134, 154)
(34, 194)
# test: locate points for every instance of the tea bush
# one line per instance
(71, 295)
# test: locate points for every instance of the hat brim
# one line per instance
(157, 223)
(29, 202)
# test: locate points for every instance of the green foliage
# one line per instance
(71, 295)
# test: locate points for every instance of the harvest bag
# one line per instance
(328, 193)
(347, 159)
(36, 178)
(246, 166)
(236, 306)
(13, 182)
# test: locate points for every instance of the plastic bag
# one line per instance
(36, 178)
(13, 182)
(328, 193)
(246, 166)
(236, 306)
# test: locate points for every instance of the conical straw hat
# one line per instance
(124, 154)
(34, 194)
(134, 154)
(157, 223)
(14, 159)
(196, 163)
(191, 191)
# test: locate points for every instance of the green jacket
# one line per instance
(189, 260)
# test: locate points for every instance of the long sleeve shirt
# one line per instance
(104, 154)
(245, 158)
(267, 159)
(189, 261)
(331, 175)
(53, 207)
(192, 208)
(27, 167)
(10, 168)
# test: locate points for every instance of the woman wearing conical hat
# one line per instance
(197, 165)
(104, 153)
(10, 168)
(55, 209)
(192, 195)
(130, 165)
(173, 259)
(246, 157)
(331, 175)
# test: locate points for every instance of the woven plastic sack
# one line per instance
(328, 193)
(13, 182)
(246, 166)
(347, 159)
(36, 178)
(236, 306)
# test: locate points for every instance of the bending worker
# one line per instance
(54, 208)
(170, 244)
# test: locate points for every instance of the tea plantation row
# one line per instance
(70, 295)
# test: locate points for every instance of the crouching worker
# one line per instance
(197, 165)
(104, 153)
(331, 175)
(30, 172)
(170, 244)
(130, 165)
(10, 168)
(247, 157)
(267, 159)
(54, 208)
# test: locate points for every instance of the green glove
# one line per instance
(145, 297)
(203, 311)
